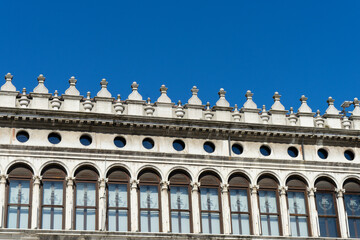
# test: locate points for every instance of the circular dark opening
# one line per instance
(120, 142)
(85, 140)
(54, 138)
(265, 150)
(209, 147)
(293, 152)
(237, 149)
(322, 153)
(178, 145)
(22, 136)
(349, 155)
(148, 143)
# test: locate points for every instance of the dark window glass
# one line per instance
(237, 149)
(54, 138)
(178, 145)
(22, 136)
(265, 150)
(85, 140)
(120, 142)
(349, 155)
(293, 152)
(209, 147)
(322, 153)
(148, 143)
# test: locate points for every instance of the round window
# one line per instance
(148, 143)
(349, 155)
(120, 142)
(178, 145)
(209, 147)
(293, 152)
(54, 138)
(85, 140)
(22, 136)
(265, 150)
(237, 149)
(322, 153)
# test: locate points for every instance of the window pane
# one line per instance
(354, 227)
(180, 222)
(19, 191)
(83, 215)
(47, 220)
(269, 225)
(239, 200)
(117, 218)
(90, 219)
(12, 217)
(296, 202)
(299, 227)
(149, 196)
(240, 224)
(24, 217)
(52, 193)
(352, 204)
(85, 194)
(325, 204)
(149, 221)
(118, 195)
(79, 219)
(209, 199)
(328, 227)
(268, 201)
(179, 197)
(210, 223)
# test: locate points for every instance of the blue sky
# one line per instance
(294, 47)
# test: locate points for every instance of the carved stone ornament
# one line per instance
(88, 105)
(194, 100)
(208, 114)
(135, 95)
(264, 115)
(179, 112)
(72, 89)
(236, 114)
(149, 109)
(8, 86)
(24, 101)
(104, 92)
(118, 106)
(40, 88)
(55, 102)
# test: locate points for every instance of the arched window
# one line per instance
(53, 198)
(118, 200)
(240, 205)
(327, 208)
(298, 207)
(352, 206)
(19, 190)
(86, 199)
(180, 204)
(149, 195)
(269, 206)
(210, 203)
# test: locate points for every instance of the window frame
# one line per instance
(349, 192)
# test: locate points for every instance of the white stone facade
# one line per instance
(103, 118)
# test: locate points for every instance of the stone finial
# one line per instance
(236, 114)
(88, 105)
(222, 102)
(179, 112)
(194, 100)
(304, 108)
(331, 110)
(118, 106)
(277, 104)
(346, 122)
(319, 121)
(135, 95)
(208, 114)
(264, 115)
(356, 111)
(55, 102)
(24, 101)
(249, 104)
(103, 91)
(40, 88)
(8, 86)
(72, 89)
(292, 117)
(163, 97)
(149, 109)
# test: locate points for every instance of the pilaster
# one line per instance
(195, 206)
(35, 202)
(226, 216)
(134, 214)
(69, 207)
(255, 210)
(165, 215)
(102, 203)
(3, 179)
(284, 211)
(341, 212)
(313, 214)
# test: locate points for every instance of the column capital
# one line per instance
(282, 190)
(311, 191)
(339, 192)
(37, 179)
(224, 187)
(254, 189)
(164, 185)
(134, 183)
(102, 182)
(3, 178)
(195, 186)
(69, 181)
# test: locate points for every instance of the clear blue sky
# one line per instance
(294, 47)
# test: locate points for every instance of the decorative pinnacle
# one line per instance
(148, 101)
(72, 81)
(8, 77)
(263, 109)
(56, 93)
(208, 106)
(249, 94)
(103, 83)
(330, 101)
(194, 90)
(179, 103)
(356, 102)
(163, 89)
(41, 78)
(303, 99)
(118, 98)
(236, 108)
(276, 96)
(88, 95)
(24, 91)
(222, 93)
(318, 113)
(134, 86)
(291, 110)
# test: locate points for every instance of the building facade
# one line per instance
(75, 167)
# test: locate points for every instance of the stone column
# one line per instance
(195, 207)
(165, 215)
(226, 216)
(255, 210)
(69, 207)
(35, 202)
(134, 213)
(3, 179)
(341, 212)
(284, 211)
(313, 214)
(102, 203)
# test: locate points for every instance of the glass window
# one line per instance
(352, 207)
